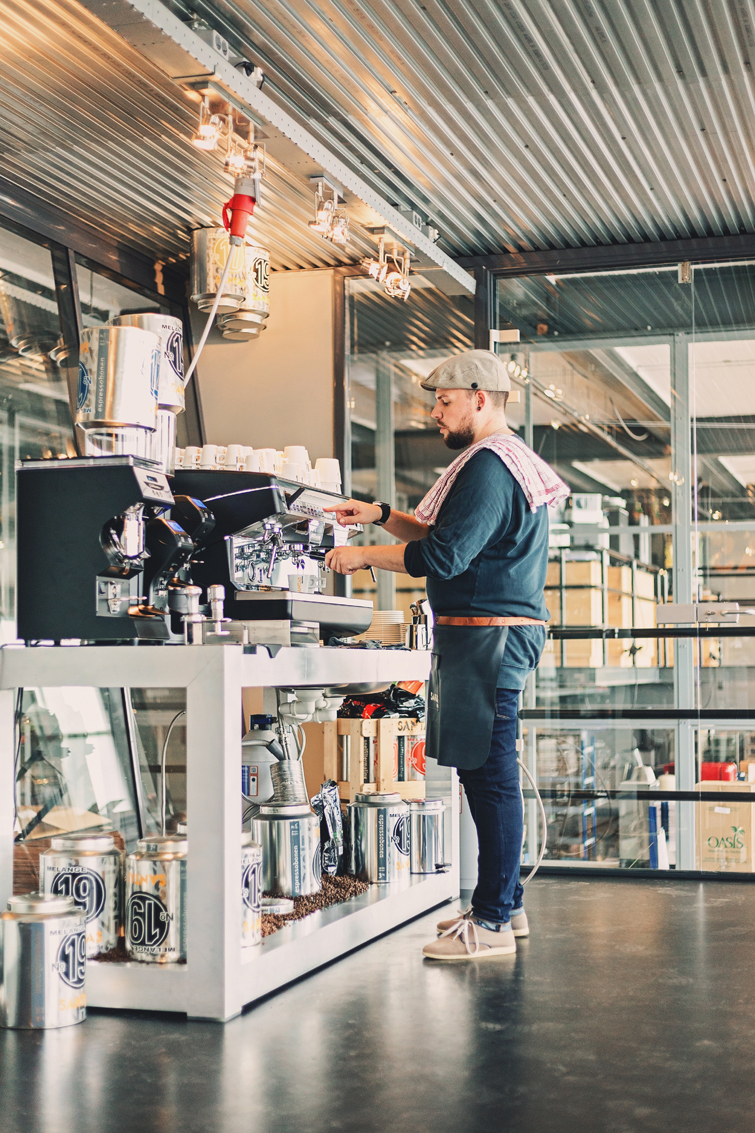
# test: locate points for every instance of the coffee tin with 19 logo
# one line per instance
(251, 892)
(43, 973)
(156, 900)
(89, 868)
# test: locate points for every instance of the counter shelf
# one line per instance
(220, 978)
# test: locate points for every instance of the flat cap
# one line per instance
(475, 369)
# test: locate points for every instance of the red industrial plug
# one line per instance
(238, 211)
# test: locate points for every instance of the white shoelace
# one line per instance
(461, 929)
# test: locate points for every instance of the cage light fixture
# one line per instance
(208, 129)
(331, 220)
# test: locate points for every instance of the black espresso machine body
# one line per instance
(83, 530)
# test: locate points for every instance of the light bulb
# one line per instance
(235, 162)
(208, 131)
(511, 366)
(339, 232)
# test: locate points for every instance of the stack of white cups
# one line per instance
(292, 463)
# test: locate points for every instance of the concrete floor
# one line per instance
(630, 1008)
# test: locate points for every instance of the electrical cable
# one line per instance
(212, 314)
(163, 784)
(544, 843)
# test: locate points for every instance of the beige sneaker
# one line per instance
(467, 940)
(519, 923)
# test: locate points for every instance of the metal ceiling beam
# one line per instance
(180, 53)
(614, 256)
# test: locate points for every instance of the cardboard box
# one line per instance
(583, 654)
(553, 575)
(588, 573)
(619, 610)
(644, 585)
(725, 830)
(620, 578)
(581, 607)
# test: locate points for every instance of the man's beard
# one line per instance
(462, 437)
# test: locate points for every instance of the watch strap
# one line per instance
(385, 512)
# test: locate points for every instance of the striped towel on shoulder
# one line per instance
(537, 479)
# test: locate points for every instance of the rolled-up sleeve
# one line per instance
(474, 514)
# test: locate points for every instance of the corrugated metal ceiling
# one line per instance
(510, 124)
(90, 125)
(525, 124)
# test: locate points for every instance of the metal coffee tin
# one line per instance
(249, 319)
(118, 378)
(89, 868)
(428, 848)
(42, 962)
(379, 838)
(170, 331)
(209, 252)
(257, 280)
(251, 892)
(155, 906)
(291, 856)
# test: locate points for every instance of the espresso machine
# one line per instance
(267, 549)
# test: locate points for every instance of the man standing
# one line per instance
(480, 536)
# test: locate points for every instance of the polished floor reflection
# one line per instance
(629, 1009)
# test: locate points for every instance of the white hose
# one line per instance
(544, 842)
(212, 314)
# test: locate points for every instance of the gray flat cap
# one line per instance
(475, 369)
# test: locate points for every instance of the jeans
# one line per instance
(495, 803)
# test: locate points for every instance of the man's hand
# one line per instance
(354, 511)
(347, 560)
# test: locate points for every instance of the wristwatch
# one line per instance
(385, 512)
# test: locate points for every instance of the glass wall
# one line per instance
(87, 759)
(638, 391)
(396, 449)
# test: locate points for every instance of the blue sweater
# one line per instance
(488, 554)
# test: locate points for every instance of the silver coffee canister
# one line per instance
(249, 319)
(117, 390)
(379, 838)
(291, 857)
(170, 331)
(89, 868)
(209, 252)
(156, 900)
(170, 383)
(251, 892)
(428, 852)
(42, 962)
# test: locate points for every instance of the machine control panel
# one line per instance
(154, 486)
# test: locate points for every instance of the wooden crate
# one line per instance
(373, 756)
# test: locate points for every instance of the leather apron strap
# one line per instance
(462, 703)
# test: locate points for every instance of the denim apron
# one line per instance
(461, 706)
